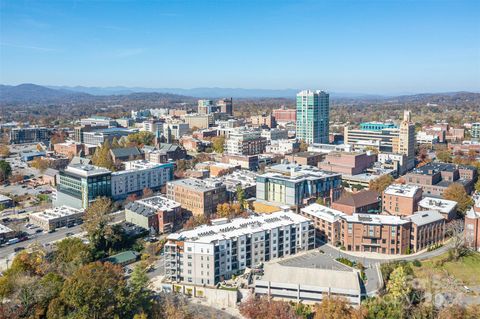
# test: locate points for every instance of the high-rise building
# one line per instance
(406, 140)
(225, 106)
(205, 106)
(475, 131)
(313, 116)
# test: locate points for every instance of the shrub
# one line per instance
(417, 263)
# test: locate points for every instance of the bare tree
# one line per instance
(454, 230)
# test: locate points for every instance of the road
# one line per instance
(48, 238)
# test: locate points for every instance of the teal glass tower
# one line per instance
(313, 111)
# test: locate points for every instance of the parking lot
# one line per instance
(314, 259)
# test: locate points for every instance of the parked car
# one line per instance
(17, 249)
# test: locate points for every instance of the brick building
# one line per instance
(401, 200)
(200, 197)
(362, 202)
(350, 163)
(472, 225)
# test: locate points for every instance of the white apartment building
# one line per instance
(174, 131)
(139, 175)
(282, 146)
(208, 255)
(244, 141)
(153, 126)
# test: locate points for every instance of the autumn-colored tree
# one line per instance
(147, 192)
(303, 147)
(227, 210)
(40, 163)
(381, 183)
(372, 149)
(196, 220)
(16, 178)
(131, 198)
(70, 253)
(264, 307)
(336, 308)
(398, 286)
(457, 311)
(141, 139)
(102, 156)
(456, 192)
(4, 150)
(58, 137)
(477, 186)
(444, 156)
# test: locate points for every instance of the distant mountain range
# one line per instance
(214, 92)
(36, 94)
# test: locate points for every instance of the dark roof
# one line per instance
(141, 209)
(126, 152)
(359, 199)
(168, 147)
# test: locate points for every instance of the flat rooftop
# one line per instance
(86, 170)
(150, 206)
(57, 212)
(295, 172)
(442, 205)
(371, 219)
(326, 278)
(323, 212)
(4, 229)
(201, 185)
(404, 190)
(239, 227)
(425, 217)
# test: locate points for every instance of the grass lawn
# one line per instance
(467, 269)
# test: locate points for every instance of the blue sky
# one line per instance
(390, 46)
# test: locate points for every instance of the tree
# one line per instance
(264, 307)
(96, 224)
(138, 285)
(477, 186)
(196, 220)
(454, 230)
(444, 156)
(5, 170)
(397, 286)
(4, 150)
(381, 183)
(240, 192)
(227, 210)
(102, 156)
(218, 144)
(16, 178)
(71, 253)
(303, 147)
(141, 139)
(58, 137)
(147, 192)
(40, 163)
(115, 143)
(96, 290)
(457, 193)
(335, 308)
(372, 149)
(383, 308)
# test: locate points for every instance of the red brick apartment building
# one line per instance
(401, 200)
(362, 202)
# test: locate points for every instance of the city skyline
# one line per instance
(363, 46)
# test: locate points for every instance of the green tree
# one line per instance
(97, 290)
(381, 183)
(70, 254)
(456, 192)
(241, 197)
(5, 170)
(218, 144)
(96, 224)
(383, 308)
(138, 286)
